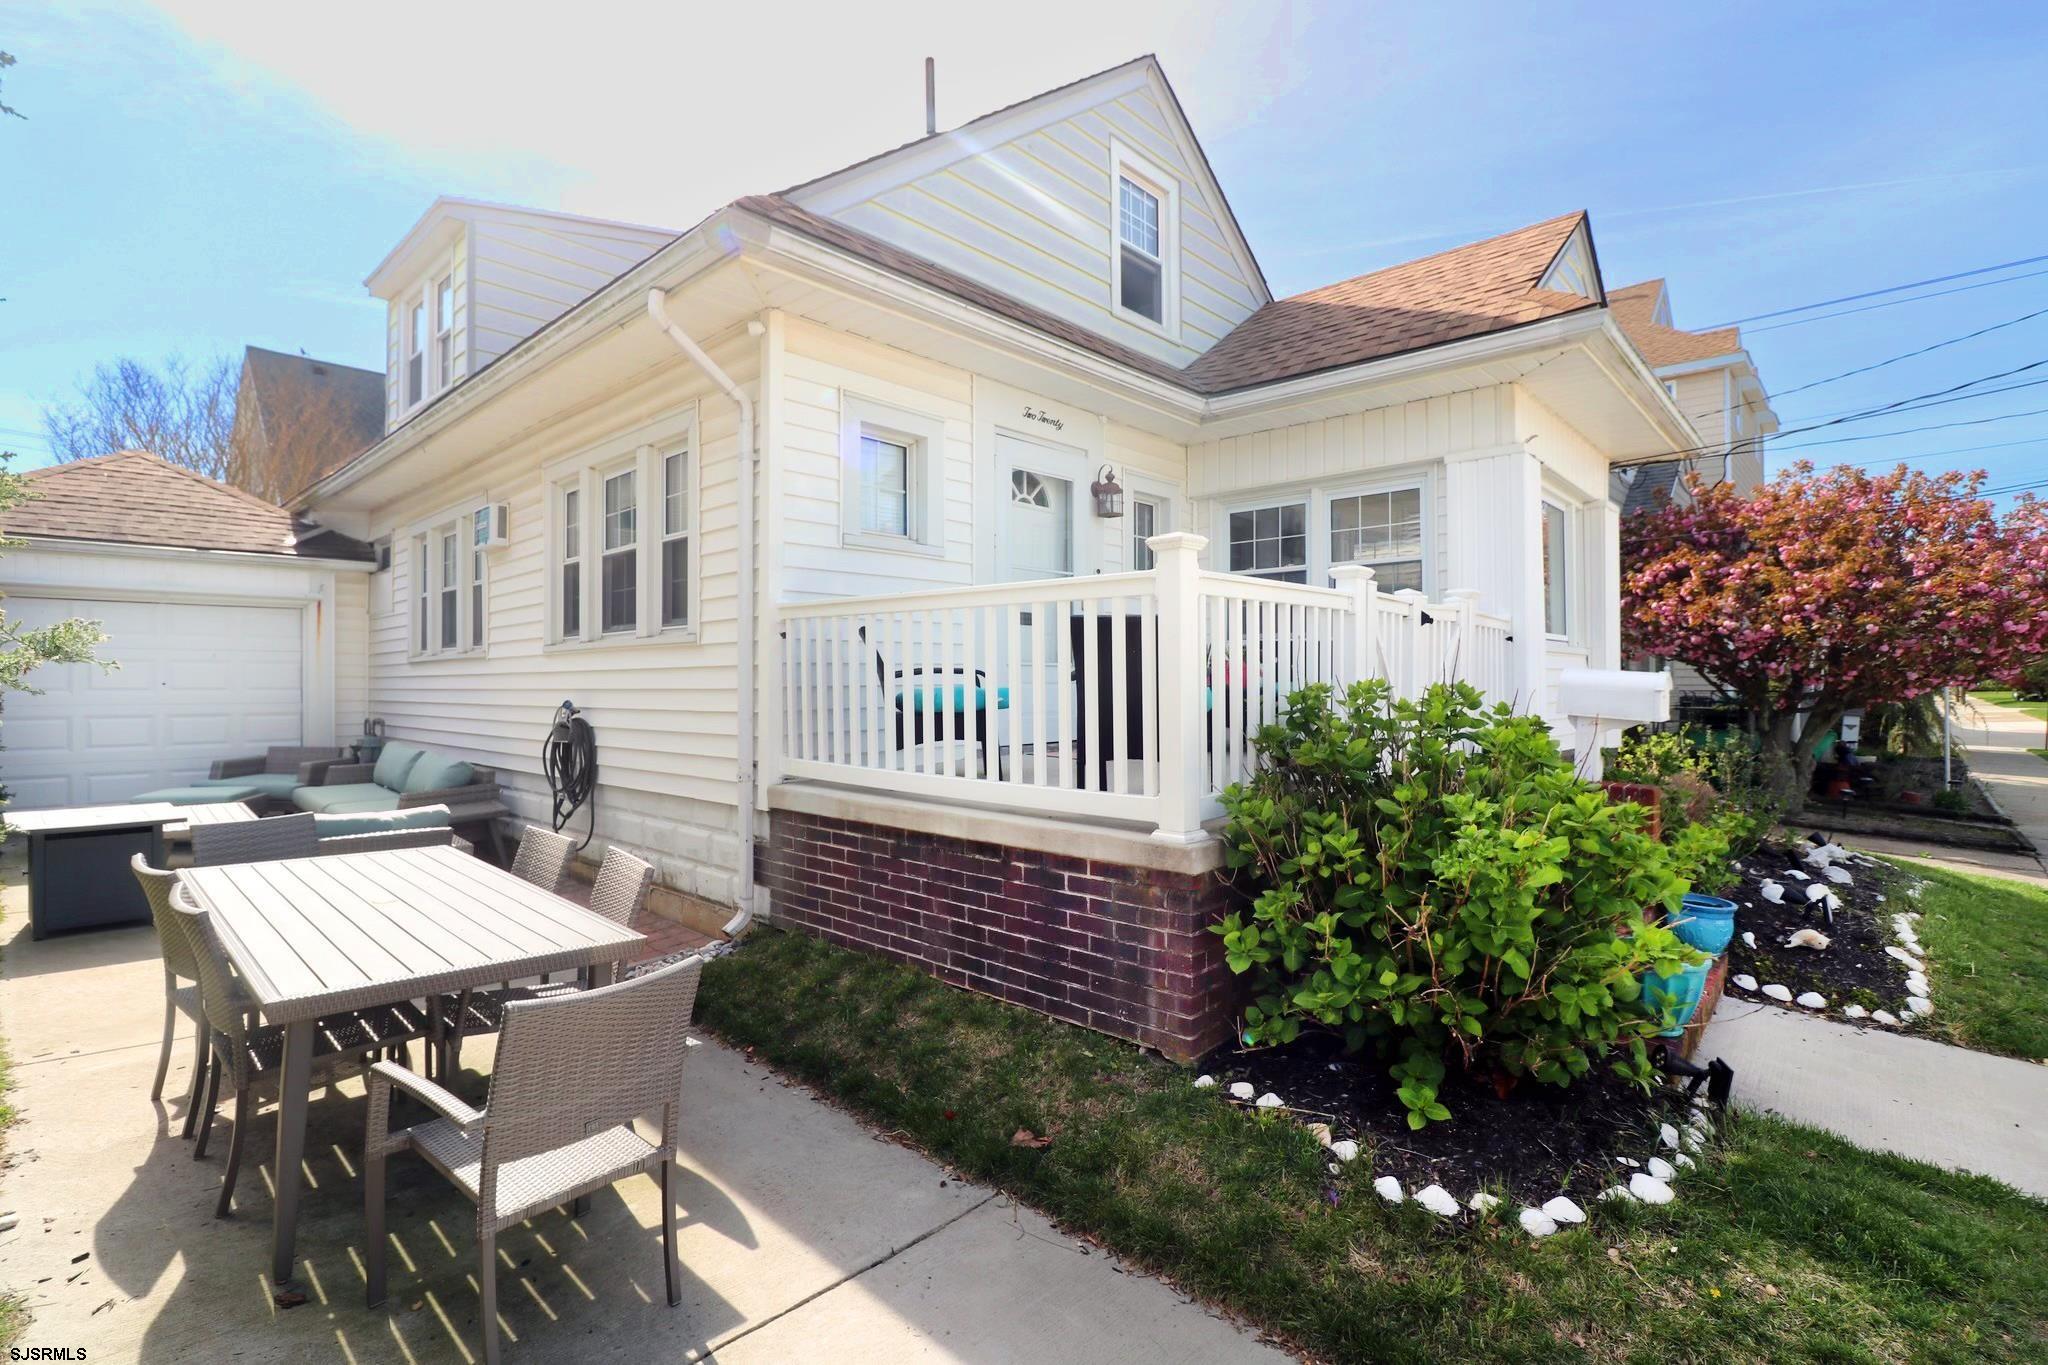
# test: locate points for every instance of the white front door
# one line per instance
(1040, 492)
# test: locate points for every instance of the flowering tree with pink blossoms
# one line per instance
(1826, 592)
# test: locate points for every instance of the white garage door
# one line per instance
(196, 683)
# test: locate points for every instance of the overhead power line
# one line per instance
(1875, 293)
(1893, 303)
(1878, 365)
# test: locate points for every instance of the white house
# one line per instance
(925, 541)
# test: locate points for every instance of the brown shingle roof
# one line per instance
(135, 498)
(1634, 306)
(1465, 292)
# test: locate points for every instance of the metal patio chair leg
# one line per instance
(201, 1057)
(227, 1181)
(163, 1055)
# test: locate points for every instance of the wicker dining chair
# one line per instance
(256, 841)
(543, 858)
(572, 1075)
(617, 894)
(251, 1056)
(179, 966)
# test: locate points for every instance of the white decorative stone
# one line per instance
(1562, 1210)
(1892, 950)
(1483, 1203)
(1809, 938)
(1772, 892)
(1856, 1011)
(1782, 994)
(1346, 1150)
(1838, 875)
(1536, 1222)
(1917, 984)
(1649, 1189)
(1388, 1188)
(1685, 1162)
(1795, 872)
(1615, 1192)
(1241, 1090)
(1885, 1017)
(1438, 1201)
(1832, 902)
(1919, 1004)
(1743, 981)
(1748, 939)
(1667, 1135)
(1812, 1000)
(1694, 1138)
(1817, 892)
(1631, 1161)
(1269, 1100)
(1661, 1169)
(1204, 1082)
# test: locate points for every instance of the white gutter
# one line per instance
(657, 308)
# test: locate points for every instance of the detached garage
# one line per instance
(235, 625)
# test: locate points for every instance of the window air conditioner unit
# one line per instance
(498, 530)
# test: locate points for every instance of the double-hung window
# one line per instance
(1271, 542)
(479, 538)
(448, 586)
(622, 532)
(415, 351)
(421, 601)
(619, 567)
(1144, 211)
(444, 332)
(450, 569)
(1383, 531)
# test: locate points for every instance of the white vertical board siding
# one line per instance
(527, 269)
(1332, 452)
(351, 656)
(1034, 216)
(820, 368)
(1564, 454)
(663, 709)
(1157, 464)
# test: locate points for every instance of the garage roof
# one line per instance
(132, 497)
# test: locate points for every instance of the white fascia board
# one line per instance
(1641, 383)
(122, 549)
(431, 233)
(1716, 362)
(707, 245)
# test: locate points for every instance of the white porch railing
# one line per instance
(1131, 697)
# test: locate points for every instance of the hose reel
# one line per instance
(568, 759)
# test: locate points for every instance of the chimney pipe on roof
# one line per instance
(931, 96)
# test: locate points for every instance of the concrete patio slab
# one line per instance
(797, 1220)
(1956, 1108)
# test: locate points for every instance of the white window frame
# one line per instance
(664, 535)
(645, 453)
(443, 327)
(924, 436)
(437, 375)
(1308, 500)
(1319, 497)
(1553, 501)
(1126, 164)
(413, 345)
(1164, 496)
(426, 606)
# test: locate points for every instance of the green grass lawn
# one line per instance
(2037, 709)
(1987, 944)
(1789, 1245)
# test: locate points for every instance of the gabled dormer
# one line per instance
(1093, 202)
(471, 280)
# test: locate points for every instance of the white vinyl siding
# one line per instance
(530, 268)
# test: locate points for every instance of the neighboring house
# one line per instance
(1715, 383)
(856, 518)
(229, 617)
(298, 419)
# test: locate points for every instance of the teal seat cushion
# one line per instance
(347, 798)
(953, 697)
(394, 764)
(279, 785)
(437, 772)
(198, 795)
(379, 821)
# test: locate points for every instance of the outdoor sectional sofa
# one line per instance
(405, 776)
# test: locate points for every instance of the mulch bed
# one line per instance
(1538, 1142)
(1854, 968)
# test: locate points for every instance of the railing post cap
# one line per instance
(1344, 573)
(1462, 595)
(1177, 540)
(1412, 595)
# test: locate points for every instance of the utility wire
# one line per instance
(1892, 303)
(1866, 369)
(1874, 293)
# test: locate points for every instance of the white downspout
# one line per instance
(657, 308)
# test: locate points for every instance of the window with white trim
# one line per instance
(1149, 518)
(1557, 569)
(479, 537)
(892, 483)
(1145, 214)
(1382, 530)
(451, 573)
(1271, 542)
(415, 351)
(622, 539)
(422, 615)
(444, 332)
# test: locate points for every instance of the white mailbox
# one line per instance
(1614, 696)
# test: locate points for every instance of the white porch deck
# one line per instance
(983, 695)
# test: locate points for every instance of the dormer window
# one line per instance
(415, 351)
(1145, 284)
(427, 333)
(444, 332)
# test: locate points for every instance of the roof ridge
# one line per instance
(1575, 217)
(312, 359)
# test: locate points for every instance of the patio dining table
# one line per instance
(318, 936)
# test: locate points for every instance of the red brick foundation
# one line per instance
(1126, 950)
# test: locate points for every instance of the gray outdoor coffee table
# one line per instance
(78, 863)
(315, 936)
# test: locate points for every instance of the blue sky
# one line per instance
(197, 177)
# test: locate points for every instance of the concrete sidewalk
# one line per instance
(1889, 1092)
(1997, 738)
(805, 1236)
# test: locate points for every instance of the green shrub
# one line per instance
(1744, 806)
(1950, 802)
(1429, 877)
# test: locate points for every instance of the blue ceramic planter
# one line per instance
(1684, 989)
(1707, 924)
